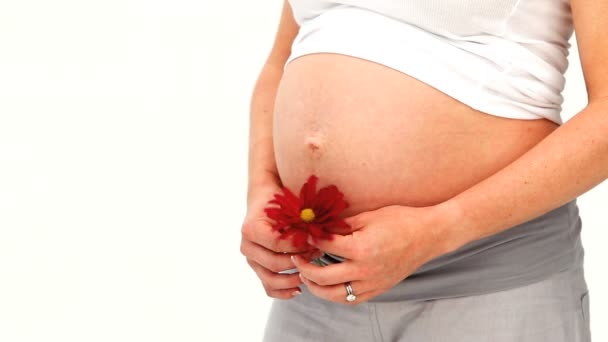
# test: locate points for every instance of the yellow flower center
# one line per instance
(307, 215)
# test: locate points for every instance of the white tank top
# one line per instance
(502, 57)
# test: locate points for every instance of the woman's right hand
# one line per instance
(265, 252)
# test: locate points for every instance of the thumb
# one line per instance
(355, 222)
(345, 225)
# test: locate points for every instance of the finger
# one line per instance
(326, 275)
(338, 293)
(341, 228)
(362, 298)
(275, 262)
(261, 232)
(342, 245)
(356, 222)
(275, 281)
(283, 294)
(283, 285)
(348, 225)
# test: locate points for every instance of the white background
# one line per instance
(123, 165)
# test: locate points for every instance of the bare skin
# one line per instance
(258, 244)
(424, 173)
(403, 142)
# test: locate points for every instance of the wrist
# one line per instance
(451, 226)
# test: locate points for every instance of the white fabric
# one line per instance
(502, 57)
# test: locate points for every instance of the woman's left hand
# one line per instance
(385, 246)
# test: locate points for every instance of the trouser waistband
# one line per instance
(518, 256)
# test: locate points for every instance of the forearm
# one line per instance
(261, 162)
(567, 163)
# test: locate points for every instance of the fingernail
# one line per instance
(310, 240)
(301, 276)
(296, 293)
(293, 259)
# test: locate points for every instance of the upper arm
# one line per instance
(591, 26)
(286, 33)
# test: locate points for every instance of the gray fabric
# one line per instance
(555, 309)
(490, 287)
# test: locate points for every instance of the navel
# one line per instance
(314, 144)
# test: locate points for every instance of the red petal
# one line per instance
(274, 213)
(339, 223)
(327, 194)
(274, 201)
(288, 208)
(323, 201)
(294, 202)
(307, 192)
(327, 199)
(300, 239)
(315, 230)
(328, 237)
(336, 226)
(338, 208)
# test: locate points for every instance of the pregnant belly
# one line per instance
(386, 138)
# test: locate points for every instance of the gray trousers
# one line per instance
(555, 309)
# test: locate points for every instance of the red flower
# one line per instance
(310, 214)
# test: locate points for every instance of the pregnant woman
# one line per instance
(440, 122)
